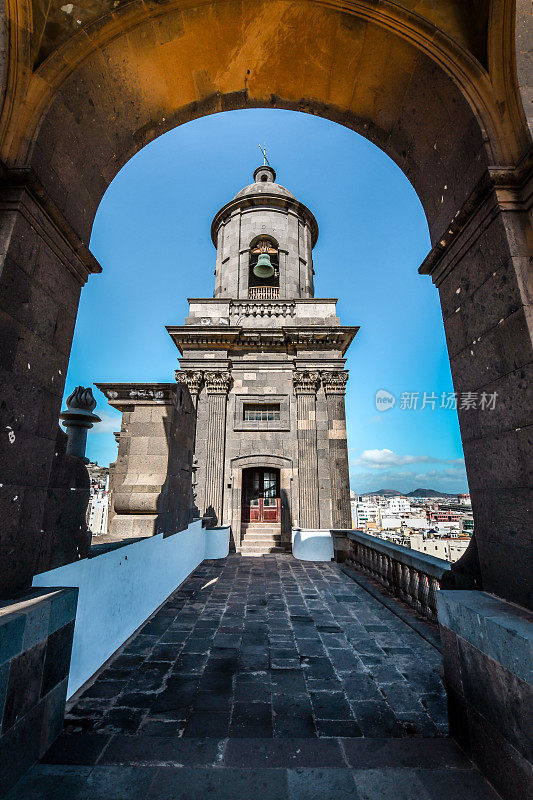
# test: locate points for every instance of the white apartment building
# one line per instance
(365, 512)
(398, 505)
(450, 549)
(97, 513)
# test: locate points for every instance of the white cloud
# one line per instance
(109, 423)
(382, 459)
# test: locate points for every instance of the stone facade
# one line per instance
(267, 344)
(151, 479)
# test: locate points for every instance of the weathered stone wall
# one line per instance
(41, 275)
(36, 635)
(487, 646)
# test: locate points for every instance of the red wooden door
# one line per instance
(260, 496)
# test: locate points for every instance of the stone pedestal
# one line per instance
(154, 459)
(305, 387)
(217, 386)
(36, 635)
(487, 649)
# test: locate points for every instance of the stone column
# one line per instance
(217, 386)
(192, 379)
(305, 386)
(334, 384)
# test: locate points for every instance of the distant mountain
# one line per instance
(384, 493)
(415, 493)
(429, 493)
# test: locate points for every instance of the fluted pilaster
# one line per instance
(305, 386)
(217, 386)
(334, 384)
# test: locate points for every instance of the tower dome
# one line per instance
(264, 183)
(264, 221)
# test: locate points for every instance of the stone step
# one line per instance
(271, 528)
(262, 551)
(239, 768)
(262, 537)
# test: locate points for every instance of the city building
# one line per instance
(448, 548)
(97, 512)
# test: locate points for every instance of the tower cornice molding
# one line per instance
(248, 202)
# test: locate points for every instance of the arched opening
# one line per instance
(423, 99)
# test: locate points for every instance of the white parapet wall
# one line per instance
(312, 545)
(121, 588)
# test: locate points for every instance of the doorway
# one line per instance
(261, 496)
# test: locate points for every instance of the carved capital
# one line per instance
(217, 382)
(334, 382)
(192, 379)
(305, 382)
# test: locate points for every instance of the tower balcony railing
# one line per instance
(263, 293)
(407, 574)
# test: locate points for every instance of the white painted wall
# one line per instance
(119, 590)
(312, 545)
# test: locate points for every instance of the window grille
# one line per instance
(260, 412)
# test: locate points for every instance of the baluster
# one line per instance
(432, 598)
(413, 588)
(405, 583)
(423, 593)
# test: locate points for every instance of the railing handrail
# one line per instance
(434, 567)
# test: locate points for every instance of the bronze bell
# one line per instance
(263, 268)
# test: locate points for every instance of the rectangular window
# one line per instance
(261, 412)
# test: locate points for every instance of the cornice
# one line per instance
(270, 200)
(226, 337)
(22, 191)
(126, 395)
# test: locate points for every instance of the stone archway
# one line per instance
(437, 91)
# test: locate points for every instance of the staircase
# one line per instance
(261, 538)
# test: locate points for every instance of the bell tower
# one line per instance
(264, 223)
(264, 361)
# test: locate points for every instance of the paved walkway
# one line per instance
(262, 675)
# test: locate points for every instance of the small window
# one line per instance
(261, 412)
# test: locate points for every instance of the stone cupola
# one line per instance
(264, 219)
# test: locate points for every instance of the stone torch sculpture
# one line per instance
(77, 419)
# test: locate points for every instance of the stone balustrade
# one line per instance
(263, 293)
(270, 308)
(407, 574)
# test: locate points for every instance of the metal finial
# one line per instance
(266, 162)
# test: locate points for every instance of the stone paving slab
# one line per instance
(270, 677)
(229, 783)
(270, 647)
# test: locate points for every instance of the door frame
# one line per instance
(288, 491)
(246, 501)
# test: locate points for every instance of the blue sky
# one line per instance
(151, 236)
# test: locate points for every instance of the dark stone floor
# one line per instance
(262, 675)
(269, 647)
